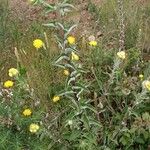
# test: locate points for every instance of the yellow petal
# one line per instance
(121, 54)
(8, 84)
(93, 43)
(71, 40)
(13, 72)
(38, 43)
(66, 72)
(56, 98)
(74, 56)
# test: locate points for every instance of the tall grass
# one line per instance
(136, 17)
(110, 114)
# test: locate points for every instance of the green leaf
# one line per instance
(146, 116)
(85, 120)
(70, 80)
(123, 140)
(127, 135)
(139, 140)
(90, 108)
(50, 25)
(61, 58)
(72, 136)
(70, 29)
(146, 135)
(66, 93)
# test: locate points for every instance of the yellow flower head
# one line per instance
(141, 76)
(74, 56)
(66, 72)
(12, 72)
(56, 98)
(33, 128)
(8, 84)
(146, 84)
(71, 40)
(38, 43)
(27, 112)
(93, 43)
(121, 54)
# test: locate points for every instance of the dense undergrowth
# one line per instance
(60, 91)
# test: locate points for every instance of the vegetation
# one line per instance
(63, 90)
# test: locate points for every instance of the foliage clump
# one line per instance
(68, 100)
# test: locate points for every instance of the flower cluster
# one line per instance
(27, 112)
(8, 84)
(38, 43)
(146, 85)
(121, 55)
(93, 43)
(74, 57)
(56, 98)
(33, 128)
(13, 72)
(71, 40)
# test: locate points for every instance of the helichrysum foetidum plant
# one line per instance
(33, 128)
(79, 117)
(27, 112)
(38, 43)
(13, 72)
(8, 84)
(17, 111)
(93, 43)
(118, 98)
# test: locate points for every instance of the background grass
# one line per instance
(16, 36)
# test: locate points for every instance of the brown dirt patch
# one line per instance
(26, 13)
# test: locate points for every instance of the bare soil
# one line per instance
(25, 12)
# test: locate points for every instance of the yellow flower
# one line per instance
(74, 56)
(121, 54)
(146, 84)
(141, 76)
(38, 43)
(71, 40)
(66, 72)
(27, 112)
(8, 84)
(33, 128)
(56, 98)
(93, 43)
(12, 72)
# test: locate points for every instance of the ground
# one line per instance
(26, 13)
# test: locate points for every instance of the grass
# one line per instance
(136, 16)
(112, 112)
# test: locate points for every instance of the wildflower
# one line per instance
(12, 72)
(141, 76)
(71, 40)
(70, 122)
(56, 98)
(33, 128)
(93, 43)
(38, 43)
(74, 56)
(27, 112)
(121, 54)
(66, 72)
(146, 84)
(8, 84)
